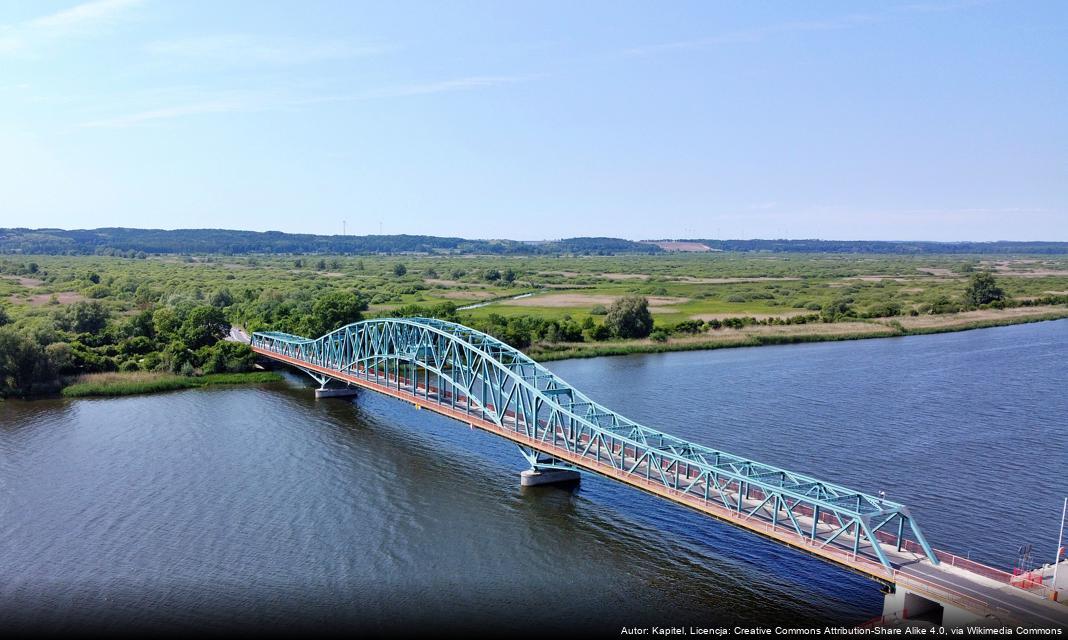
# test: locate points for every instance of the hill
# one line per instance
(123, 241)
(129, 242)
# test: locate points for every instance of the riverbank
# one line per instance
(135, 383)
(761, 335)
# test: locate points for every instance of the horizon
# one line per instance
(555, 239)
(941, 121)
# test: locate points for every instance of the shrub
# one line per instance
(838, 310)
(689, 326)
(98, 291)
(883, 310)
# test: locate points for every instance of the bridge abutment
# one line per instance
(902, 606)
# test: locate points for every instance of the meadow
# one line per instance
(166, 313)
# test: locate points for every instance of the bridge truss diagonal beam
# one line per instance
(474, 377)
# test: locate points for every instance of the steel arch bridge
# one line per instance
(473, 377)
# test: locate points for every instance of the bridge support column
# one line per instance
(535, 477)
(341, 392)
(545, 470)
(329, 392)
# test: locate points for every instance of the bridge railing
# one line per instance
(451, 365)
(967, 564)
(944, 594)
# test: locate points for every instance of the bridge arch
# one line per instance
(478, 379)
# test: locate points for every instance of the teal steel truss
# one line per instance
(457, 368)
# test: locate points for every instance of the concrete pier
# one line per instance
(341, 392)
(535, 477)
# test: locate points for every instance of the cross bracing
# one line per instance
(472, 374)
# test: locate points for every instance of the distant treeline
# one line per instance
(134, 243)
(131, 242)
(886, 246)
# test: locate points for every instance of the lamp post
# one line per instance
(1060, 539)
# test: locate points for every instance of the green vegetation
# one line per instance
(982, 289)
(139, 243)
(66, 316)
(118, 384)
(629, 317)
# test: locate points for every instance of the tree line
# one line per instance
(137, 243)
(889, 247)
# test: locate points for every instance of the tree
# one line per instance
(837, 310)
(629, 317)
(203, 326)
(60, 356)
(221, 298)
(166, 321)
(335, 310)
(140, 324)
(399, 269)
(23, 363)
(145, 296)
(84, 317)
(982, 289)
(229, 357)
(4, 317)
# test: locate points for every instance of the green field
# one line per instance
(91, 314)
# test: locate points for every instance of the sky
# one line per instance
(909, 120)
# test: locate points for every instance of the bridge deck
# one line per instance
(911, 569)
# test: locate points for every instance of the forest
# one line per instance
(134, 243)
(140, 242)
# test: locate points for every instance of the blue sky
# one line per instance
(930, 119)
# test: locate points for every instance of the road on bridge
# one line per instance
(482, 382)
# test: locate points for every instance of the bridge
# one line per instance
(474, 378)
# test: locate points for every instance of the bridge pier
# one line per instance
(535, 477)
(341, 392)
(329, 392)
(545, 469)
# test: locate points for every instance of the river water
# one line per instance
(262, 508)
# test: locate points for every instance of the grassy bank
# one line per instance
(761, 336)
(127, 384)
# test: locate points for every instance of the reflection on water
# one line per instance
(223, 508)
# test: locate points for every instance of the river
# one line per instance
(237, 508)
